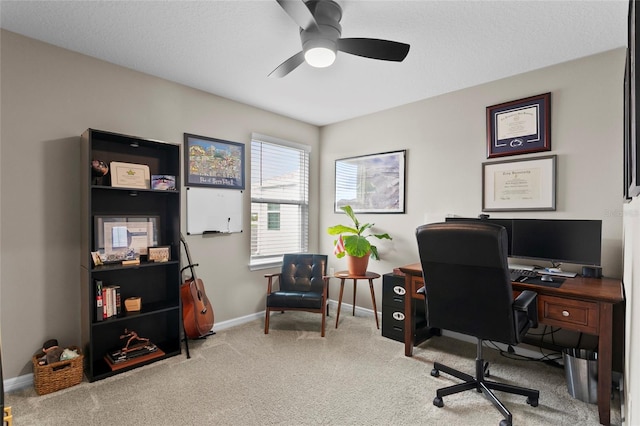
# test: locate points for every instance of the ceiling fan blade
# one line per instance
(287, 66)
(374, 48)
(299, 12)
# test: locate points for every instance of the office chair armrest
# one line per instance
(524, 299)
(422, 290)
(527, 301)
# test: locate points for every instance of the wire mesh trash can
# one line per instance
(581, 370)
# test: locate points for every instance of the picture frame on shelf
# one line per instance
(129, 175)
(372, 183)
(519, 127)
(213, 163)
(163, 182)
(519, 185)
(124, 238)
(159, 254)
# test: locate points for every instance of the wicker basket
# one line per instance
(57, 375)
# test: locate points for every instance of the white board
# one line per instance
(213, 211)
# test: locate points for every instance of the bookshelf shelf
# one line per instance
(156, 283)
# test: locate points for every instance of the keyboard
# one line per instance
(519, 274)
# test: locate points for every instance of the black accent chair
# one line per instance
(468, 290)
(303, 286)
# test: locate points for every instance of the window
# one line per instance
(279, 199)
(273, 217)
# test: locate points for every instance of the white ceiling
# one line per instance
(229, 47)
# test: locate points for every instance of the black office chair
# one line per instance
(303, 286)
(468, 290)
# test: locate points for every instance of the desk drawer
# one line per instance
(575, 315)
(393, 291)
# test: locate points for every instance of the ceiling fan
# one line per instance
(320, 30)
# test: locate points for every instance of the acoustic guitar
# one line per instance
(197, 312)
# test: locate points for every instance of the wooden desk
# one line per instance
(579, 304)
(370, 276)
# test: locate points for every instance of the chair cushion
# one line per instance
(295, 299)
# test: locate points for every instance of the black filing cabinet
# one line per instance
(393, 294)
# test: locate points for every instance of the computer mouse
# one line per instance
(546, 278)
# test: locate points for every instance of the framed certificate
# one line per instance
(519, 127)
(519, 185)
(129, 175)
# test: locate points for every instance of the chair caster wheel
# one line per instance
(437, 401)
(435, 373)
(505, 422)
(532, 402)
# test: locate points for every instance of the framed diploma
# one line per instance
(519, 127)
(519, 185)
(129, 175)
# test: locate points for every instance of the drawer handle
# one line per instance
(565, 313)
(399, 290)
(398, 316)
(398, 299)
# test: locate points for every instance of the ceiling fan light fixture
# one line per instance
(320, 57)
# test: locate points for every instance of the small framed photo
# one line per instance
(519, 127)
(159, 254)
(163, 182)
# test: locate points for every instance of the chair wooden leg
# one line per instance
(266, 321)
(324, 320)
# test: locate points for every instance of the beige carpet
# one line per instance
(292, 376)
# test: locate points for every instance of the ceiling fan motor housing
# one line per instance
(327, 15)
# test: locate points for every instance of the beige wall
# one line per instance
(446, 146)
(49, 97)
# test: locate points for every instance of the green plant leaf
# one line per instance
(341, 229)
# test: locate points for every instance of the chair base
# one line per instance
(480, 384)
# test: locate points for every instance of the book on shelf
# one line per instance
(99, 302)
(117, 303)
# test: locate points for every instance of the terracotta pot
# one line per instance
(357, 265)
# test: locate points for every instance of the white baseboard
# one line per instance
(17, 383)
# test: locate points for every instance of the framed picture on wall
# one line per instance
(213, 163)
(519, 127)
(519, 185)
(371, 183)
(631, 148)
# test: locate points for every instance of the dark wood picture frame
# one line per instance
(519, 127)
(213, 163)
(631, 147)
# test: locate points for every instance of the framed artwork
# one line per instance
(519, 185)
(631, 148)
(371, 183)
(213, 163)
(519, 127)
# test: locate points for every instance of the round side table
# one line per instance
(345, 275)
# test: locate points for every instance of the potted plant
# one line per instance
(353, 241)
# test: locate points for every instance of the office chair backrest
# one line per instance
(467, 281)
(303, 272)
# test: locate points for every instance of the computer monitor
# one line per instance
(557, 240)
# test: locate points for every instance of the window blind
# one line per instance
(279, 199)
